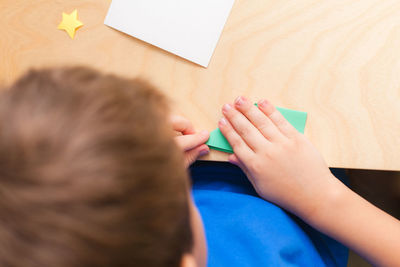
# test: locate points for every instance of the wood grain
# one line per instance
(338, 60)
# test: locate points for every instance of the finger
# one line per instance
(193, 154)
(239, 146)
(236, 161)
(277, 118)
(257, 118)
(247, 131)
(190, 141)
(181, 124)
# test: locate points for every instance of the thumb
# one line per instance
(193, 154)
(191, 141)
(236, 161)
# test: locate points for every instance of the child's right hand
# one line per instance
(286, 169)
(283, 166)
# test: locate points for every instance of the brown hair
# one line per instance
(89, 173)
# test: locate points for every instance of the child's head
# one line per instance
(90, 174)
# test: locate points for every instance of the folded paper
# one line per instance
(297, 118)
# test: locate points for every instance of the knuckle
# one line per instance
(235, 142)
(264, 127)
(291, 132)
(291, 145)
(298, 141)
(253, 114)
(297, 135)
(243, 132)
(279, 119)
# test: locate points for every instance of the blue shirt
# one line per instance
(244, 230)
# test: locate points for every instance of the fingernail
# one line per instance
(263, 103)
(240, 100)
(223, 121)
(227, 107)
(203, 152)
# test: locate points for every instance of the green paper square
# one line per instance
(297, 118)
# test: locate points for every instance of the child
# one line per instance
(91, 176)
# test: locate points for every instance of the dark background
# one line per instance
(381, 188)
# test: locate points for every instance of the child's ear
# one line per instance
(188, 260)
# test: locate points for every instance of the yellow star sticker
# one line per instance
(70, 23)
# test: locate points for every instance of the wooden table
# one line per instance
(337, 60)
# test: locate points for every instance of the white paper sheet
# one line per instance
(187, 28)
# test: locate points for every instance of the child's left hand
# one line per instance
(191, 142)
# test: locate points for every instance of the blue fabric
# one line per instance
(244, 230)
